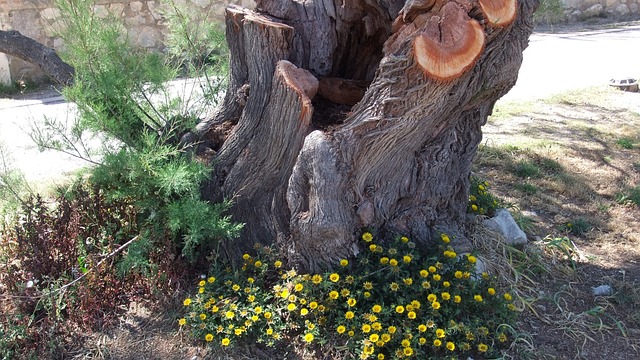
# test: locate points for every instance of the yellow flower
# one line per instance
(366, 294)
(374, 337)
(446, 284)
(472, 259)
(407, 351)
(399, 309)
(474, 207)
(408, 281)
(316, 279)
(284, 294)
(351, 302)
(507, 297)
(308, 337)
(251, 298)
(341, 329)
(182, 322)
(367, 236)
(451, 346)
(406, 259)
(437, 342)
(238, 332)
(225, 342)
(267, 315)
(187, 302)
(257, 309)
(404, 239)
(372, 247)
(246, 256)
(384, 260)
(415, 304)
(349, 279)
(291, 306)
(458, 274)
(432, 297)
(258, 264)
(235, 287)
(298, 287)
(349, 315)
(366, 328)
(478, 298)
(491, 291)
(208, 337)
(376, 326)
(376, 308)
(334, 277)
(424, 273)
(277, 264)
(411, 315)
(457, 299)
(435, 305)
(345, 292)
(380, 356)
(422, 327)
(229, 314)
(368, 285)
(344, 262)
(437, 277)
(351, 333)
(432, 269)
(394, 286)
(334, 294)
(203, 317)
(391, 329)
(426, 285)
(393, 262)
(202, 283)
(214, 309)
(321, 308)
(304, 311)
(483, 348)
(445, 296)
(386, 337)
(254, 318)
(313, 305)
(445, 238)
(440, 333)
(502, 337)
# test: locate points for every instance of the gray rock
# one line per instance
(593, 11)
(503, 223)
(602, 290)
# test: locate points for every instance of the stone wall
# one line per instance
(584, 9)
(143, 19)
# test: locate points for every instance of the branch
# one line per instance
(15, 44)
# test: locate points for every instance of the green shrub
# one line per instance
(388, 302)
(630, 195)
(481, 201)
(625, 143)
(526, 169)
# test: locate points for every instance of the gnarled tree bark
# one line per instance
(15, 44)
(306, 169)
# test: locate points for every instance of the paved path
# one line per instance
(553, 63)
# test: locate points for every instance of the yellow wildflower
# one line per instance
(367, 236)
(334, 277)
(208, 337)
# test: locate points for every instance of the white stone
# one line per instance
(504, 224)
(50, 13)
(116, 9)
(135, 6)
(633, 8)
(602, 290)
(593, 11)
(5, 70)
(622, 10)
(610, 3)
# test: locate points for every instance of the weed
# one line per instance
(550, 12)
(630, 195)
(526, 169)
(625, 143)
(526, 188)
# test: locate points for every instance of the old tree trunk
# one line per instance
(344, 115)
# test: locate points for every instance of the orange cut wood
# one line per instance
(450, 45)
(499, 12)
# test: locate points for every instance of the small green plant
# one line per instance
(564, 246)
(550, 12)
(630, 195)
(526, 188)
(625, 143)
(389, 302)
(526, 169)
(481, 201)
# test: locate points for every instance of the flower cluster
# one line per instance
(480, 200)
(390, 302)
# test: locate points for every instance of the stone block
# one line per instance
(593, 11)
(622, 10)
(101, 11)
(135, 6)
(634, 8)
(5, 70)
(50, 13)
(610, 3)
(116, 9)
(503, 223)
